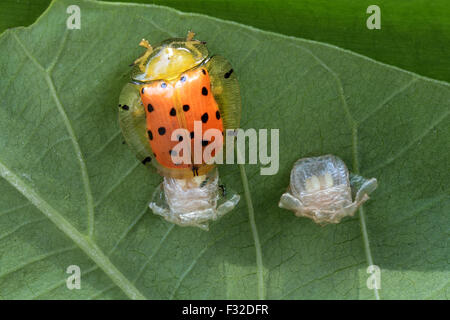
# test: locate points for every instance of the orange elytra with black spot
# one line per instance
(171, 105)
(172, 86)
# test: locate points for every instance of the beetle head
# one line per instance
(170, 58)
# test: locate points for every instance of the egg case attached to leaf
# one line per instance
(321, 189)
(195, 205)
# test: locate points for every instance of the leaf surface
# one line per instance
(73, 194)
(414, 34)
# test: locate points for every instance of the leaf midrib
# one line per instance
(68, 125)
(84, 242)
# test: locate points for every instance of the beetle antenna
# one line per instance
(144, 43)
(190, 35)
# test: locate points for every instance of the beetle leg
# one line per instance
(144, 43)
(195, 171)
(190, 36)
(190, 41)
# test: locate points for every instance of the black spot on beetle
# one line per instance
(203, 70)
(147, 159)
(150, 108)
(161, 130)
(205, 143)
(192, 134)
(150, 135)
(217, 114)
(173, 112)
(205, 117)
(186, 107)
(204, 91)
(228, 74)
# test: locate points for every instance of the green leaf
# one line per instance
(414, 34)
(15, 13)
(73, 194)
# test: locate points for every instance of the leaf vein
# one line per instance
(118, 183)
(105, 145)
(144, 266)
(320, 278)
(389, 98)
(83, 242)
(192, 265)
(36, 259)
(83, 168)
(410, 144)
(128, 229)
(254, 229)
(19, 226)
(13, 209)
